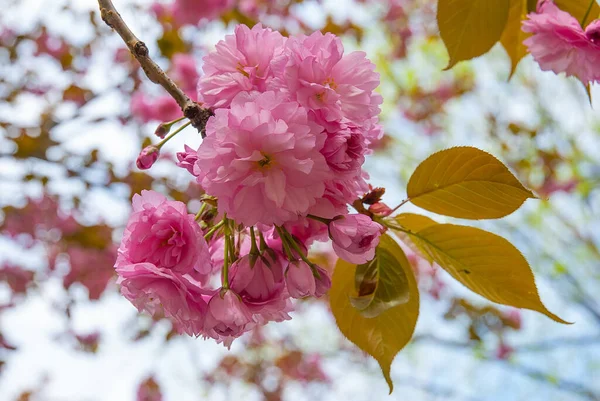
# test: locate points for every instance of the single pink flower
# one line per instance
(261, 286)
(193, 11)
(559, 44)
(334, 86)
(299, 279)
(355, 237)
(90, 267)
(241, 62)
(345, 149)
(261, 159)
(322, 283)
(147, 157)
(228, 317)
(161, 292)
(163, 233)
(184, 72)
(187, 159)
(162, 108)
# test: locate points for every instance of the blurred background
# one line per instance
(75, 109)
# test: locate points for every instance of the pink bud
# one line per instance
(300, 280)
(147, 157)
(323, 283)
(355, 237)
(380, 209)
(228, 317)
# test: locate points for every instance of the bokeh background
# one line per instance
(75, 109)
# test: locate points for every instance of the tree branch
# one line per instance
(191, 110)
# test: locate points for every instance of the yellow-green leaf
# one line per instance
(579, 9)
(381, 284)
(415, 223)
(513, 37)
(383, 336)
(467, 183)
(485, 263)
(469, 28)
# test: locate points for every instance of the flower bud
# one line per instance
(322, 283)
(355, 237)
(147, 157)
(300, 280)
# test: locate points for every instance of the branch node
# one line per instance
(140, 49)
(198, 116)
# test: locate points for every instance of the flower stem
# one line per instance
(317, 218)
(253, 245)
(287, 237)
(286, 246)
(213, 229)
(199, 214)
(225, 271)
(587, 13)
(404, 202)
(172, 134)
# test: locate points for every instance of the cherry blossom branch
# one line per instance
(191, 110)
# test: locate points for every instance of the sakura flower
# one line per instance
(193, 11)
(161, 292)
(228, 317)
(322, 283)
(299, 279)
(241, 62)
(187, 159)
(558, 43)
(335, 86)
(162, 108)
(345, 149)
(355, 237)
(261, 159)
(162, 233)
(260, 282)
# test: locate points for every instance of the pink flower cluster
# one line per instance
(559, 43)
(281, 161)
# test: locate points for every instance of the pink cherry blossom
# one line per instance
(261, 159)
(228, 317)
(147, 157)
(315, 72)
(241, 62)
(345, 149)
(355, 237)
(161, 292)
(187, 159)
(193, 11)
(162, 108)
(299, 279)
(163, 233)
(184, 72)
(261, 286)
(322, 283)
(90, 267)
(558, 43)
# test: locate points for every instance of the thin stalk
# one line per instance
(213, 229)
(172, 134)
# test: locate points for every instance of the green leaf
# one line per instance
(513, 37)
(485, 263)
(579, 9)
(469, 28)
(381, 284)
(383, 336)
(467, 183)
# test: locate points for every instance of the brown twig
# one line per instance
(191, 110)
